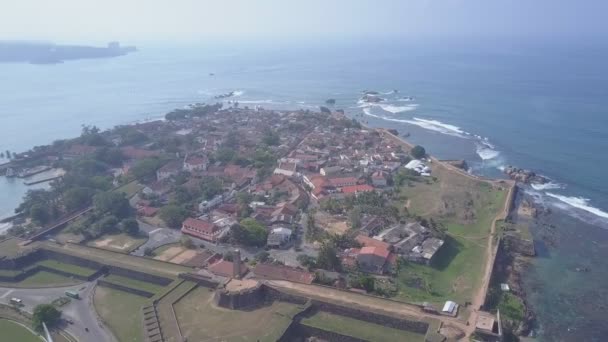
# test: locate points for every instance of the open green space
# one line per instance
(133, 283)
(159, 250)
(511, 307)
(10, 247)
(130, 189)
(11, 331)
(200, 320)
(359, 329)
(74, 269)
(110, 258)
(165, 309)
(121, 242)
(466, 208)
(121, 312)
(46, 279)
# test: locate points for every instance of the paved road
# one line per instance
(156, 237)
(81, 311)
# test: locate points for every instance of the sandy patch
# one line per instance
(169, 253)
(183, 257)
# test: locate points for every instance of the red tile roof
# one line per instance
(368, 241)
(204, 226)
(280, 272)
(225, 268)
(351, 189)
(377, 251)
(338, 182)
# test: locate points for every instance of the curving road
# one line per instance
(79, 311)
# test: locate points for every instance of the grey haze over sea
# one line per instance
(537, 105)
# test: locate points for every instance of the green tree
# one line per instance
(249, 232)
(225, 154)
(46, 313)
(39, 213)
(173, 215)
(368, 283)
(145, 169)
(355, 216)
(129, 226)
(77, 197)
(114, 203)
(109, 155)
(271, 138)
(328, 258)
(210, 187)
(187, 242)
(418, 152)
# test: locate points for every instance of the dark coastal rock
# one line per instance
(524, 176)
(324, 110)
(370, 92)
(330, 101)
(223, 96)
(393, 131)
(369, 98)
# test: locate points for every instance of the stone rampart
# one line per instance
(115, 286)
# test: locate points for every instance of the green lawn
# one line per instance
(133, 283)
(74, 269)
(200, 320)
(467, 208)
(359, 329)
(11, 331)
(47, 279)
(121, 311)
(511, 307)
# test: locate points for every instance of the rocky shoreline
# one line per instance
(524, 176)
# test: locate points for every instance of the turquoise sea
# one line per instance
(537, 105)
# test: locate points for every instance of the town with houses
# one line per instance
(246, 196)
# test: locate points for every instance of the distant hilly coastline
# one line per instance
(49, 53)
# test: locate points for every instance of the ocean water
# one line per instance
(537, 105)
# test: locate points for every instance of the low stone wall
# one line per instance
(138, 292)
(272, 294)
(150, 278)
(21, 261)
(238, 300)
(372, 317)
(19, 276)
(202, 281)
(299, 332)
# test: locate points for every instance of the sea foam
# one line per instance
(580, 203)
(546, 186)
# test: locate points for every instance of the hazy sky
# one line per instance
(188, 20)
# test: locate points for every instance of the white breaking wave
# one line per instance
(546, 186)
(397, 109)
(238, 92)
(485, 153)
(580, 203)
(258, 101)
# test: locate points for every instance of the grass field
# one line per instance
(133, 283)
(121, 311)
(200, 320)
(466, 207)
(74, 269)
(11, 331)
(359, 329)
(118, 242)
(10, 247)
(165, 311)
(46, 279)
(145, 265)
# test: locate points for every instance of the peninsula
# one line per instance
(218, 223)
(49, 53)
